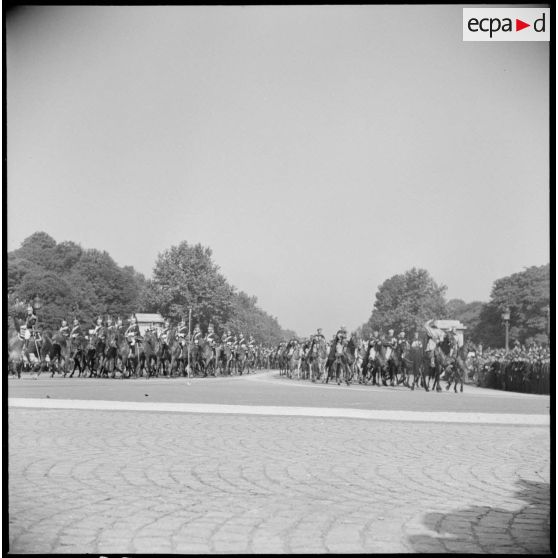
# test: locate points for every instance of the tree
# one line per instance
(185, 277)
(526, 294)
(404, 302)
(468, 313)
(72, 281)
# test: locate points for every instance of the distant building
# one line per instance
(448, 324)
(145, 321)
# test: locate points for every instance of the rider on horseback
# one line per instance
(241, 342)
(31, 327)
(164, 334)
(435, 335)
(182, 332)
(100, 330)
(252, 343)
(64, 330)
(228, 338)
(197, 335)
(211, 337)
(76, 330)
(133, 333)
(319, 335)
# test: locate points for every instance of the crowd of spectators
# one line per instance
(524, 368)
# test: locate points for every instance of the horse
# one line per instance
(59, 354)
(317, 357)
(136, 358)
(350, 352)
(219, 364)
(16, 348)
(338, 362)
(151, 347)
(294, 355)
(368, 368)
(401, 362)
(240, 359)
(78, 348)
(458, 369)
(381, 363)
(206, 358)
(177, 354)
(111, 352)
(282, 360)
(227, 356)
(164, 356)
(39, 347)
(419, 364)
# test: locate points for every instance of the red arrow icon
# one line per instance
(519, 25)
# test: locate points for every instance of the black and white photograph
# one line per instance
(277, 279)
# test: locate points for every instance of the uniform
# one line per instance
(197, 336)
(182, 332)
(65, 331)
(228, 339)
(101, 332)
(435, 335)
(133, 334)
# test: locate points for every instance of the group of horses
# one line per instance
(380, 365)
(92, 356)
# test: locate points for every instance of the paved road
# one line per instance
(120, 482)
(268, 388)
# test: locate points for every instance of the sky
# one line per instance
(318, 150)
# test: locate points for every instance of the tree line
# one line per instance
(405, 301)
(71, 281)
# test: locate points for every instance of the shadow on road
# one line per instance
(492, 530)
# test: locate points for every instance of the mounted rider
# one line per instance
(435, 336)
(100, 330)
(228, 338)
(240, 341)
(197, 335)
(30, 330)
(111, 331)
(211, 337)
(133, 334)
(454, 342)
(182, 332)
(64, 330)
(318, 337)
(252, 344)
(76, 330)
(402, 343)
(164, 333)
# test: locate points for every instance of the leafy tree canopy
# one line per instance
(405, 301)
(527, 295)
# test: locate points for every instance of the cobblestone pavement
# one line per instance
(133, 482)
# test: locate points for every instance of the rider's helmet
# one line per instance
(99, 321)
(319, 331)
(402, 334)
(133, 319)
